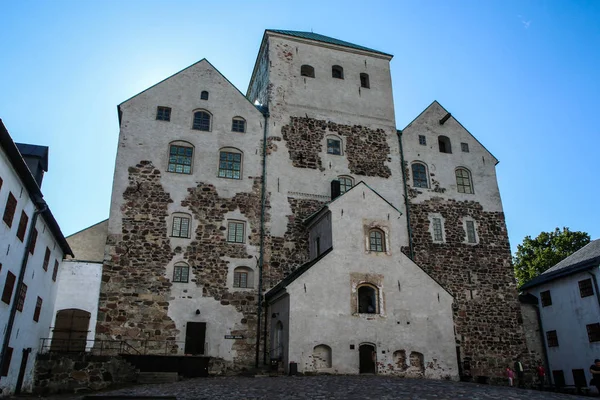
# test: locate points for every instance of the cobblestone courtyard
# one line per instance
(329, 387)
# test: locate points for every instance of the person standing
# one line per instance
(541, 374)
(511, 375)
(520, 372)
(595, 370)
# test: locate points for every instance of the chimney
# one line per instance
(335, 189)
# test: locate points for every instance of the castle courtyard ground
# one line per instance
(328, 387)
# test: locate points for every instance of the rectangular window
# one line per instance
(333, 147)
(235, 232)
(181, 227)
(238, 125)
(163, 113)
(230, 165)
(34, 236)
(438, 235)
(181, 273)
(464, 147)
(46, 259)
(55, 271)
(5, 367)
(422, 140)
(180, 159)
(38, 309)
(9, 285)
(593, 331)
(21, 297)
(471, 232)
(552, 339)
(9, 210)
(240, 279)
(546, 298)
(22, 226)
(585, 288)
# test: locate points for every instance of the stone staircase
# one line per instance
(157, 377)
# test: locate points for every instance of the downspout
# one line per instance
(546, 358)
(595, 286)
(13, 308)
(406, 206)
(262, 238)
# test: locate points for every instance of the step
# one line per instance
(157, 377)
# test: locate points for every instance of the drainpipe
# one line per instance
(406, 205)
(262, 239)
(595, 286)
(546, 358)
(41, 207)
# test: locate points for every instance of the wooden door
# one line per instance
(195, 333)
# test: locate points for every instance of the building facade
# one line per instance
(212, 188)
(32, 248)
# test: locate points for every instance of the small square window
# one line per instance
(546, 298)
(552, 339)
(163, 113)
(21, 297)
(593, 331)
(422, 140)
(238, 125)
(471, 232)
(585, 288)
(438, 234)
(181, 273)
(235, 232)
(464, 147)
(181, 227)
(334, 147)
(204, 95)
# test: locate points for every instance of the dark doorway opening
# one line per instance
(194, 338)
(70, 330)
(367, 356)
(22, 370)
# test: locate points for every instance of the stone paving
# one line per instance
(329, 387)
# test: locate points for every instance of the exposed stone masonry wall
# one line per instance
(134, 297)
(487, 314)
(366, 149)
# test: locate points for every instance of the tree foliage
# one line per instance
(535, 256)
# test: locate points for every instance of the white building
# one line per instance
(32, 247)
(569, 304)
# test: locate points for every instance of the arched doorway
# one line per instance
(70, 330)
(368, 356)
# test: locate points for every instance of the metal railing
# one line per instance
(112, 347)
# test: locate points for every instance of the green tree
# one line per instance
(535, 256)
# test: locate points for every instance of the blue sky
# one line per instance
(522, 76)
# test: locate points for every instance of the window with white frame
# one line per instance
(235, 232)
(346, 183)
(243, 277)
(376, 240)
(181, 226)
(181, 272)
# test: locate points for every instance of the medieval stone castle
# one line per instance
(297, 223)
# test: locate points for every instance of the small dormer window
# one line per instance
(307, 70)
(444, 143)
(204, 95)
(337, 72)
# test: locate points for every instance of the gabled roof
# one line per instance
(587, 257)
(325, 39)
(22, 170)
(308, 219)
(453, 117)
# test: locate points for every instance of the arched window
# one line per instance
(204, 95)
(337, 72)
(400, 360)
(181, 272)
(463, 181)
(444, 143)
(419, 172)
(181, 225)
(201, 121)
(238, 124)
(364, 80)
(417, 364)
(368, 299)
(321, 356)
(230, 163)
(243, 277)
(346, 183)
(307, 70)
(376, 240)
(181, 156)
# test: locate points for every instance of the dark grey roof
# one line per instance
(583, 259)
(326, 39)
(33, 150)
(17, 162)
